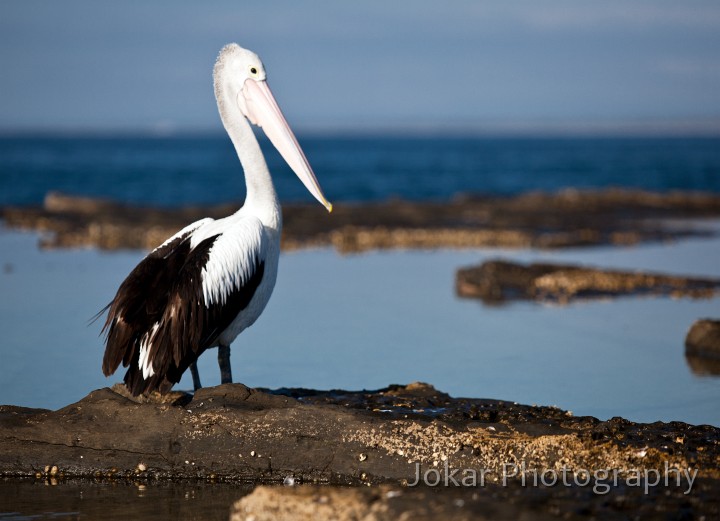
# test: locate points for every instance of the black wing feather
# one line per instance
(139, 302)
(169, 279)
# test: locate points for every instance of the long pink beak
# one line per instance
(263, 111)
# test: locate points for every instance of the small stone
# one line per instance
(362, 456)
(289, 481)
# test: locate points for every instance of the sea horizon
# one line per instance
(641, 128)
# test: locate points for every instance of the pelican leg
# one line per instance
(224, 363)
(195, 376)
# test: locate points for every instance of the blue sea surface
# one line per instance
(366, 321)
(179, 171)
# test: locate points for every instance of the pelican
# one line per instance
(207, 283)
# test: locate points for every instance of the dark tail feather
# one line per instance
(97, 316)
(134, 381)
(161, 381)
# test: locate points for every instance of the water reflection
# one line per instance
(703, 365)
(24, 500)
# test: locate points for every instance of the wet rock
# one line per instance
(388, 437)
(488, 502)
(235, 433)
(703, 339)
(567, 218)
(500, 281)
(308, 504)
(384, 503)
(702, 347)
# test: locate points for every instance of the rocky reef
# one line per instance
(702, 347)
(501, 281)
(431, 452)
(539, 220)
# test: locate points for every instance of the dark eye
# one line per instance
(253, 70)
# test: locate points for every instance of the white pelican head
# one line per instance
(244, 79)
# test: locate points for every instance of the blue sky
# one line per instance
(577, 65)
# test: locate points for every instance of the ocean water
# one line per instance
(200, 170)
(370, 320)
(366, 321)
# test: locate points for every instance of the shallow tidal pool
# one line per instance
(369, 320)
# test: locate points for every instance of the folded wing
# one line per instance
(179, 299)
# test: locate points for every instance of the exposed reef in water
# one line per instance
(702, 347)
(500, 281)
(404, 438)
(540, 220)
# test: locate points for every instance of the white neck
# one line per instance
(261, 199)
